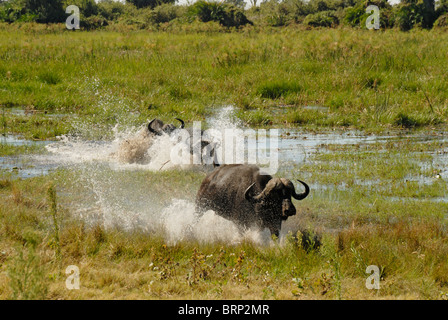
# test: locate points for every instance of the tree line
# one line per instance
(143, 14)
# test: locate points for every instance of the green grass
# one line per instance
(368, 80)
(365, 203)
(11, 150)
(358, 224)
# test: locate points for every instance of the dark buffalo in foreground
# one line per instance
(243, 195)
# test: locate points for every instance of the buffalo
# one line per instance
(158, 128)
(134, 149)
(240, 193)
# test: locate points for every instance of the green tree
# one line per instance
(149, 3)
(226, 14)
(46, 11)
(410, 13)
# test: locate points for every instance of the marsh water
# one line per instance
(115, 199)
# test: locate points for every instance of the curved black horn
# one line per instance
(246, 193)
(303, 195)
(182, 125)
(150, 128)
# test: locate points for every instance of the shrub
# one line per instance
(322, 19)
(164, 13)
(149, 3)
(442, 21)
(87, 8)
(14, 11)
(276, 14)
(412, 13)
(46, 11)
(26, 275)
(94, 22)
(354, 15)
(111, 10)
(226, 14)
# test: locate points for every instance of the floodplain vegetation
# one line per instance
(380, 204)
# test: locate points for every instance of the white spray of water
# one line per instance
(117, 202)
(180, 222)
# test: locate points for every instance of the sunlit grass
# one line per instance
(366, 79)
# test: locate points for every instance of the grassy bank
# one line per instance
(367, 80)
(377, 204)
(371, 205)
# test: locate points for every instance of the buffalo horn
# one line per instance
(247, 192)
(182, 125)
(151, 129)
(301, 195)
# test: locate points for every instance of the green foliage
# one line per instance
(276, 14)
(149, 3)
(46, 11)
(27, 276)
(15, 10)
(442, 21)
(354, 15)
(418, 13)
(87, 8)
(94, 22)
(165, 13)
(237, 3)
(140, 14)
(111, 10)
(277, 89)
(322, 19)
(226, 14)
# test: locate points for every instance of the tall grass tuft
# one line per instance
(27, 277)
(277, 89)
(51, 197)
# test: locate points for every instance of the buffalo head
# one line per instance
(157, 127)
(273, 204)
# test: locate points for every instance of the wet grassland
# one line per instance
(363, 120)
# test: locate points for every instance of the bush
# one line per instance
(46, 11)
(354, 15)
(149, 3)
(322, 19)
(111, 10)
(276, 14)
(14, 11)
(442, 21)
(87, 8)
(420, 13)
(226, 14)
(357, 16)
(165, 13)
(94, 22)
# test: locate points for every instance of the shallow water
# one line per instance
(128, 205)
